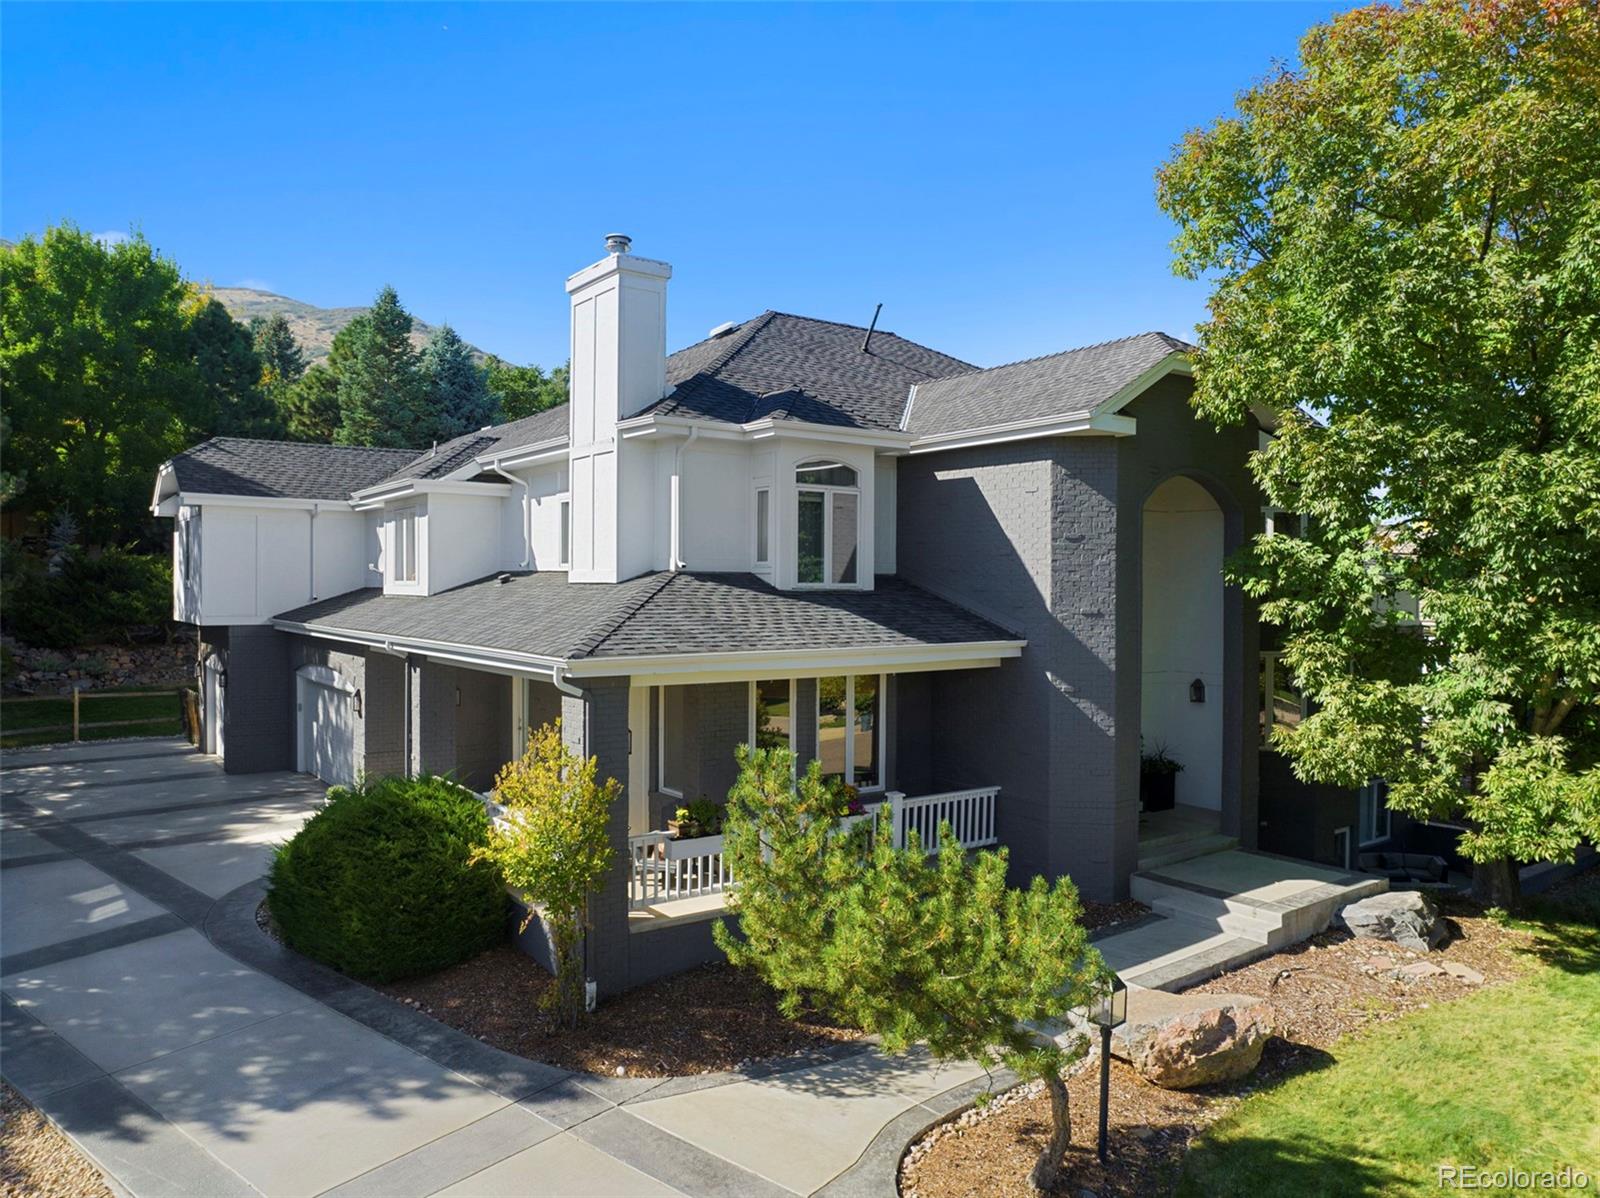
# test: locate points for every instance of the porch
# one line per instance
(672, 880)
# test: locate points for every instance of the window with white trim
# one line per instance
(850, 729)
(403, 544)
(763, 508)
(566, 535)
(772, 713)
(828, 524)
(1374, 808)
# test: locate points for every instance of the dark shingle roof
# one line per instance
(1059, 384)
(283, 469)
(452, 455)
(797, 368)
(662, 613)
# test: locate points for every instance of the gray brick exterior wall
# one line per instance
(1044, 537)
(483, 727)
(258, 708)
(716, 720)
(433, 716)
(383, 702)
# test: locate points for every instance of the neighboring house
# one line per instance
(969, 591)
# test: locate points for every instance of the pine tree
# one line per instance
(310, 408)
(230, 373)
(382, 393)
(459, 399)
(282, 359)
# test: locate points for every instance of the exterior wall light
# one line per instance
(1197, 691)
(357, 698)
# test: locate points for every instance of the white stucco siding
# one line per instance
(256, 562)
(716, 501)
(461, 539)
(342, 550)
(1182, 636)
(885, 513)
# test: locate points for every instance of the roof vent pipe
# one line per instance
(618, 243)
(866, 342)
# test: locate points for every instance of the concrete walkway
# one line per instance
(188, 1054)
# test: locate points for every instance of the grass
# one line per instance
(1503, 1079)
(48, 721)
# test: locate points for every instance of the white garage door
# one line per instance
(327, 737)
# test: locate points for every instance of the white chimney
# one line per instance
(619, 368)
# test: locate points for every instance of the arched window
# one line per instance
(829, 506)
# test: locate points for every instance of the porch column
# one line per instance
(433, 717)
(596, 725)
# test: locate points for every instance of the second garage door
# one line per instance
(327, 733)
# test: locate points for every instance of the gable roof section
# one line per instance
(542, 615)
(282, 469)
(1058, 385)
(443, 460)
(784, 367)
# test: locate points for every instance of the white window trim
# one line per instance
(394, 541)
(850, 712)
(762, 565)
(827, 535)
(564, 533)
(661, 745)
(1381, 815)
(751, 737)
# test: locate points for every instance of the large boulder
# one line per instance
(1406, 917)
(1178, 1041)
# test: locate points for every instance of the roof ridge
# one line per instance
(1078, 349)
(737, 341)
(307, 444)
(876, 332)
(598, 634)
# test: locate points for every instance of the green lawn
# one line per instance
(1507, 1078)
(45, 721)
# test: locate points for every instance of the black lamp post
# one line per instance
(1109, 1010)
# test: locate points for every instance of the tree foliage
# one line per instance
(382, 393)
(98, 372)
(282, 359)
(526, 390)
(555, 848)
(907, 946)
(458, 396)
(230, 372)
(1403, 237)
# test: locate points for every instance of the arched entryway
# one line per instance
(1183, 644)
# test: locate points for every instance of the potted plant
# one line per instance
(698, 819)
(1158, 775)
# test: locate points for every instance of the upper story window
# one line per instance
(566, 535)
(403, 545)
(763, 526)
(828, 526)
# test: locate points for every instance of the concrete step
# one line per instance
(1234, 916)
(1166, 850)
(1176, 951)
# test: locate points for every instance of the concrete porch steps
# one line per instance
(1181, 846)
(1218, 910)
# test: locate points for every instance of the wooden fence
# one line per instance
(185, 700)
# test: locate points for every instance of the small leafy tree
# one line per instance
(907, 946)
(554, 847)
(525, 390)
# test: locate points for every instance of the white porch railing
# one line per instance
(664, 869)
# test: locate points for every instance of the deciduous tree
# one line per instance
(554, 847)
(526, 390)
(1403, 239)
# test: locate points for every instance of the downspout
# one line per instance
(527, 512)
(676, 562)
(558, 675)
(316, 509)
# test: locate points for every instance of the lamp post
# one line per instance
(1109, 1010)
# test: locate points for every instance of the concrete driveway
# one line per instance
(187, 1053)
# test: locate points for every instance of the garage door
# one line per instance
(327, 734)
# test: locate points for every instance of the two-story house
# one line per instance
(970, 592)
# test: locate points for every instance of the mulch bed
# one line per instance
(1322, 989)
(1097, 917)
(36, 1160)
(708, 1020)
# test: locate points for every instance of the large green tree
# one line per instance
(230, 372)
(1403, 238)
(98, 373)
(526, 390)
(458, 396)
(382, 392)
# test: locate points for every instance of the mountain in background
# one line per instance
(313, 327)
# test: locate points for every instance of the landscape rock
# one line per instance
(1462, 973)
(1181, 1041)
(1406, 917)
(1418, 970)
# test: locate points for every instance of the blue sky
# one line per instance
(986, 172)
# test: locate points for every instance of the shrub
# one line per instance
(90, 599)
(382, 883)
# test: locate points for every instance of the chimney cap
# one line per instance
(618, 243)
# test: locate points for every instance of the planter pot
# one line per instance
(1157, 792)
(700, 846)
